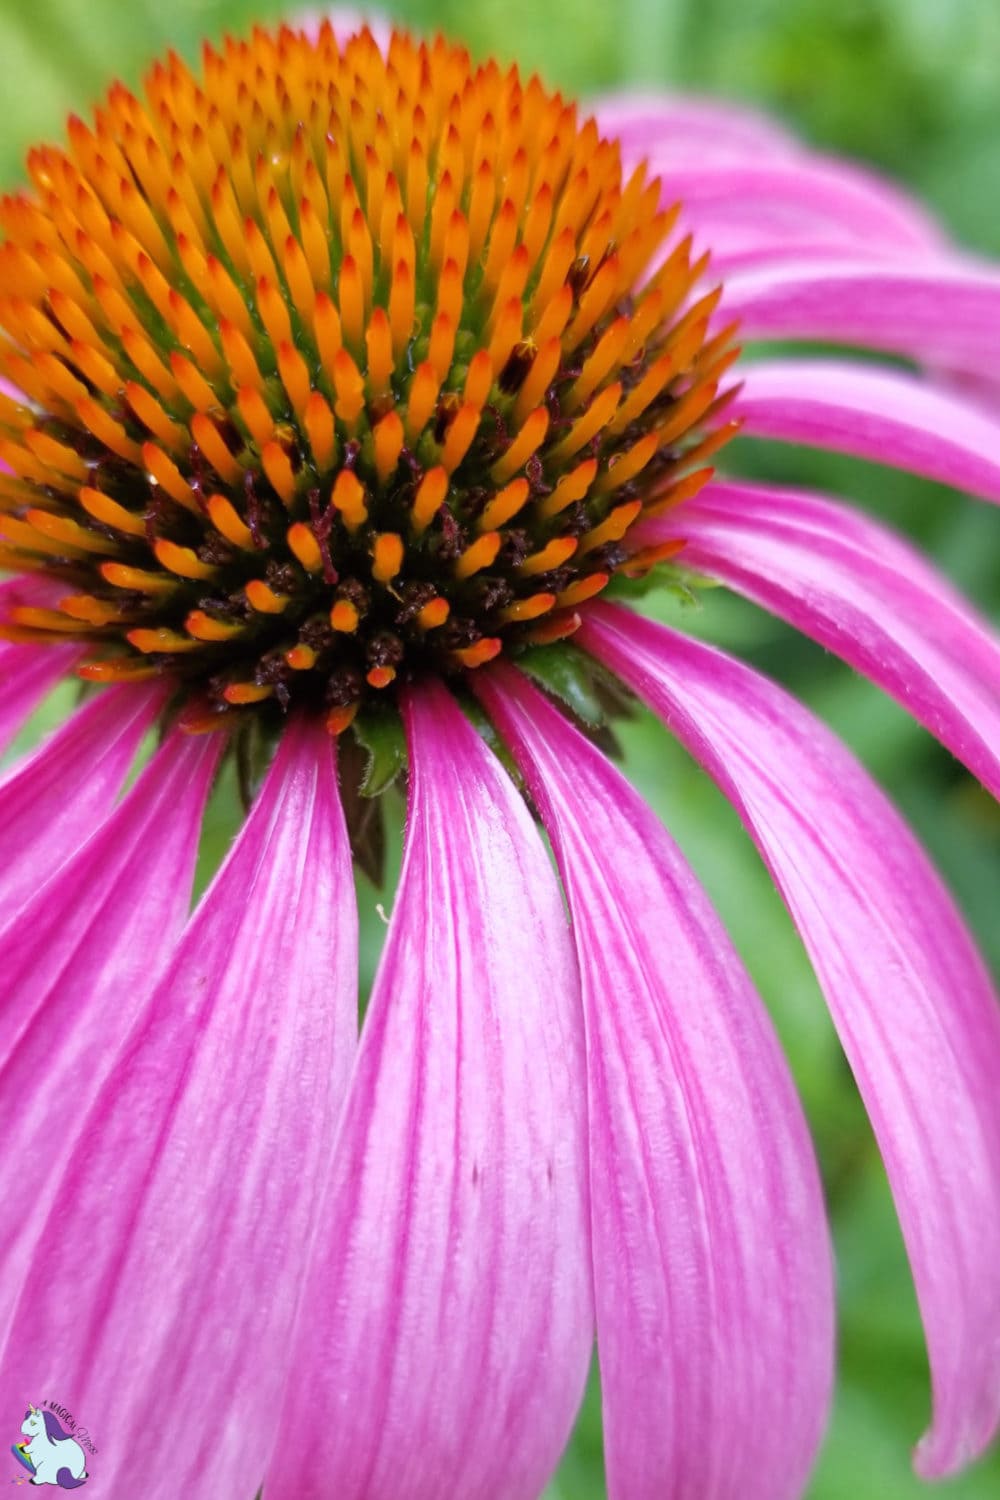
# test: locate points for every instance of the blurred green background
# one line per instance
(914, 87)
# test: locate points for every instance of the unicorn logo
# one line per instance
(50, 1455)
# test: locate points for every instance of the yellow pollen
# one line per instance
(226, 520)
(388, 556)
(480, 555)
(433, 614)
(301, 658)
(246, 692)
(263, 598)
(344, 617)
(181, 560)
(305, 547)
(204, 628)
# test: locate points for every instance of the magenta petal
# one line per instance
(908, 993)
(79, 958)
(860, 591)
(162, 1292)
(27, 673)
(712, 1269)
(447, 1324)
(52, 801)
(882, 414)
(934, 315)
(81, 934)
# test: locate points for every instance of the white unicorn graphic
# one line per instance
(52, 1456)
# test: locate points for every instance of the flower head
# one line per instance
(451, 363)
(343, 377)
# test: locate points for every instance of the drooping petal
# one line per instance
(78, 959)
(934, 315)
(648, 123)
(800, 192)
(447, 1323)
(27, 673)
(80, 934)
(51, 801)
(908, 993)
(162, 1291)
(741, 241)
(843, 579)
(712, 1273)
(754, 192)
(886, 415)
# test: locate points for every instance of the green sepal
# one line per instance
(379, 730)
(568, 674)
(683, 583)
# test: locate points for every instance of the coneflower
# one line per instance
(343, 377)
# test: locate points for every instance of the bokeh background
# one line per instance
(913, 86)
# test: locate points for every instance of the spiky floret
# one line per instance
(336, 367)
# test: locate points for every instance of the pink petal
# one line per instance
(650, 122)
(711, 1259)
(800, 192)
(447, 1324)
(346, 22)
(755, 187)
(162, 1292)
(908, 993)
(79, 958)
(27, 673)
(886, 415)
(844, 580)
(79, 934)
(51, 801)
(747, 241)
(931, 314)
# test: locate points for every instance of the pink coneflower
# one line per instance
(341, 383)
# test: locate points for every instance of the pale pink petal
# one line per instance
(908, 993)
(163, 1289)
(739, 241)
(934, 315)
(78, 959)
(646, 123)
(713, 1281)
(799, 193)
(984, 394)
(886, 415)
(755, 196)
(346, 21)
(52, 801)
(861, 592)
(447, 1323)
